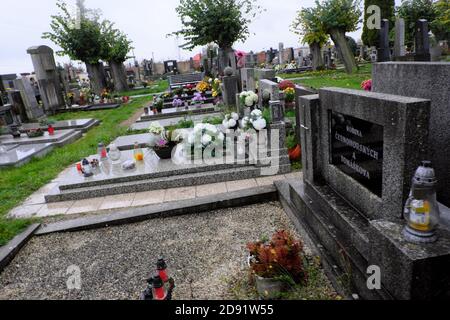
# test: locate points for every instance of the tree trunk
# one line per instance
(317, 60)
(97, 77)
(119, 75)
(338, 37)
(227, 58)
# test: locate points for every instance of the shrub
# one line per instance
(279, 258)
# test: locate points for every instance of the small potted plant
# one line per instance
(294, 148)
(155, 130)
(367, 85)
(198, 99)
(189, 89)
(289, 98)
(177, 102)
(165, 145)
(276, 265)
(283, 85)
(158, 105)
(35, 133)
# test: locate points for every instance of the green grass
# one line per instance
(332, 78)
(16, 184)
(157, 87)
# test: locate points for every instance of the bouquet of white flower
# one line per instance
(248, 98)
(255, 121)
(231, 121)
(205, 135)
(156, 128)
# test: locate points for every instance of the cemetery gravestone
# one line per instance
(422, 41)
(281, 53)
(360, 151)
(384, 52)
(229, 88)
(47, 77)
(248, 79)
(428, 80)
(33, 109)
(399, 46)
(271, 87)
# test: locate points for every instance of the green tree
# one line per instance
(222, 22)
(308, 26)
(441, 25)
(117, 48)
(80, 38)
(372, 37)
(339, 17)
(413, 10)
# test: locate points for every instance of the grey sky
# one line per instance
(145, 21)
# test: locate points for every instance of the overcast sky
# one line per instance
(147, 22)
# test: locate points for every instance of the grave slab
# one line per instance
(173, 121)
(82, 125)
(20, 155)
(60, 138)
(177, 112)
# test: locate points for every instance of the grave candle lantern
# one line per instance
(51, 130)
(102, 151)
(138, 153)
(159, 291)
(421, 209)
(161, 266)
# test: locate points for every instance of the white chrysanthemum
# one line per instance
(221, 137)
(256, 113)
(235, 116)
(206, 139)
(249, 101)
(260, 124)
(232, 123)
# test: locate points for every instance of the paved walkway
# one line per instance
(35, 205)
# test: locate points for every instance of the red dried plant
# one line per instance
(280, 257)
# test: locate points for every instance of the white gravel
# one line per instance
(203, 251)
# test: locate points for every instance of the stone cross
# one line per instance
(422, 41)
(399, 46)
(384, 52)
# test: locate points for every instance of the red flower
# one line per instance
(286, 84)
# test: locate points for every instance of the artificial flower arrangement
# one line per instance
(292, 65)
(156, 128)
(198, 99)
(158, 104)
(216, 88)
(166, 143)
(256, 121)
(367, 85)
(280, 259)
(177, 102)
(105, 94)
(70, 97)
(203, 86)
(283, 85)
(167, 95)
(204, 136)
(289, 95)
(248, 98)
(189, 89)
(231, 121)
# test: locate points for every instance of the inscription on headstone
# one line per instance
(356, 148)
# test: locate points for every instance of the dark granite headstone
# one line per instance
(384, 52)
(422, 41)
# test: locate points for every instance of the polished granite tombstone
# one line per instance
(60, 138)
(174, 121)
(177, 112)
(82, 125)
(15, 156)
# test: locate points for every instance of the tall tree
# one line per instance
(441, 25)
(222, 22)
(372, 37)
(308, 26)
(118, 46)
(79, 36)
(339, 17)
(413, 10)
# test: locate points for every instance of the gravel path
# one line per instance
(204, 252)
